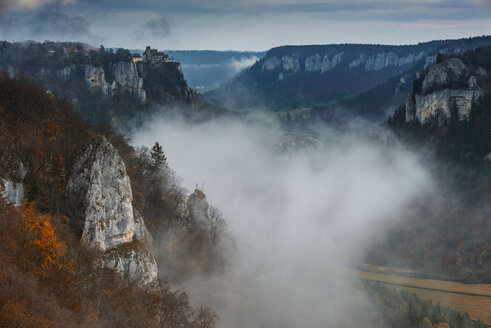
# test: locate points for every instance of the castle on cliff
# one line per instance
(154, 57)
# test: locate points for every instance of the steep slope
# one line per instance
(297, 76)
(447, 117)
(94, 211)
(105, 86)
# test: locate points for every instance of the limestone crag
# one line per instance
(141, 231)
(13, 192)
(313, 63)
(290, 63)
(271, 64)
(95, 77)
(198, 206)
(100, 184)
(452, 70)
(448, 87)
(101, 201)
(439, 104)
(11, 185)
(127, 79)
(134, 261)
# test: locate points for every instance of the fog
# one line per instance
(299, 219)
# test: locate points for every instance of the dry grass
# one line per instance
(475, 306)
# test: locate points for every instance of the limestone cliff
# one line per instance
(198, 206)
(126, 78)
(11, 185)
(13, 192)
(95, 77)
(446, 87)
(101, 200)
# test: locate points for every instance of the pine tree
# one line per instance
(158, 157)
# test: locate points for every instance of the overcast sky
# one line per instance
(242, 24)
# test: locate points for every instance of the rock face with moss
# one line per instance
(447, 87)
(101, 199)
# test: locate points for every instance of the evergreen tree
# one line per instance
(158, 157)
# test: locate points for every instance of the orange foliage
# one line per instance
(44, 251)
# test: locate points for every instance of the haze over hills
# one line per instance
(302, 200)
(293, 77)
(206, 70)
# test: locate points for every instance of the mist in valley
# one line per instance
(299, 219)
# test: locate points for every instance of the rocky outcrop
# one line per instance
(13, 192)
(141, 231)
(101, 201)
(126, 79)
(357, 62)
(271, 64)
(198, 206)
(290, 63)
(439, 104)
(381, 61)
(99, 183)
(134, 261)
(11, 185)
(447, 88)
(95, 77)
(452, 70)
(313, 63)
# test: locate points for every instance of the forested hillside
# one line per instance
(455, 241)
(105, 85)
(321, 76)
(51, 278)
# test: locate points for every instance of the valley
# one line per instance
(332, 171)
(474, 299)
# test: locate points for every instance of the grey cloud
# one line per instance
(50, 22)
(158, 27)
(298, 220)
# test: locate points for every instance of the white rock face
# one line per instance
(336, 59)
(358, 62)
(381, 61)
(271, 64)
(440, 74)
(134, 261)
(439, 104)
(290, 63)
(141, 231)
(13, 192)
(313, 63)
(198, 206)
(95, 77)
(127, 79)
(326, 64)
(411, 59)
(100, 184)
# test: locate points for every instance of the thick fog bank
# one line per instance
(298, 219)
